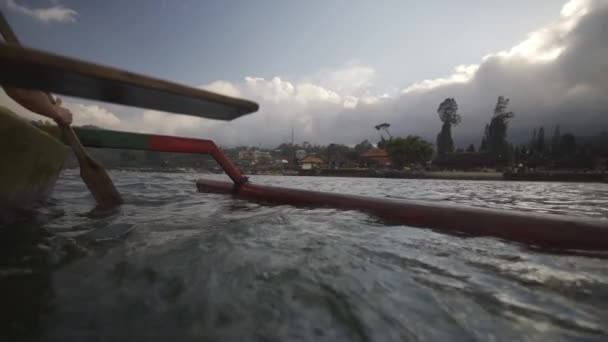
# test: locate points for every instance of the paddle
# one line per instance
(92, 173)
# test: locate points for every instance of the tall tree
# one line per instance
(533, 140)
(568, 145)
(408, 150)
(483, 146)
(471, 148)
(517, 154)
(383, 127)
(355, 153)
(555, 140)
(448, 114)
(336, 154)
(382, 143)
(496, 131)
(540, 140)
(363, 146)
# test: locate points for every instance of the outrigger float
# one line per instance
(27, 68)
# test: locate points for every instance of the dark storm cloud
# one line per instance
(570, 90)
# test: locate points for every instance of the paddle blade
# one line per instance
(99, 183)
(92, 173)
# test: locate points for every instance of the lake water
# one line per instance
(174, 264)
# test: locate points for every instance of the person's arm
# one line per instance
(40, 103)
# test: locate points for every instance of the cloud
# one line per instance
(152, 121)
(543, 45)
(274, 90)
(92, 115)
(557, 75)
(56, 13)
(310, 93)
(462, 74)
(222, 87)
(348, 79)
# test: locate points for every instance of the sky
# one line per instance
(334, 69)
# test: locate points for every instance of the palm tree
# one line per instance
(448, 114)
(384, 128)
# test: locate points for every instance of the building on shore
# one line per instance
(376, 157)
(300, 155)
(312, 162)
(255, 156)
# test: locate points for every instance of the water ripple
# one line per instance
(176, 264)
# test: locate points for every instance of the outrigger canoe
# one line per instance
(31, 163)
(76, 78)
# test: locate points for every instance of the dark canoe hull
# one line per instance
(31, 163)
(549, 231)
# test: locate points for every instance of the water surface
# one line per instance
(174, 264)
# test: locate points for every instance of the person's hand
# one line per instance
(63, 116)
(41, 103)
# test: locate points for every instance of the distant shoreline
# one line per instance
(544, 176)
(371, 173)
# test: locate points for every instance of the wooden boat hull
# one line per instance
(31, 163)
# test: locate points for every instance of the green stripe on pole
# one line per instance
(112, 139)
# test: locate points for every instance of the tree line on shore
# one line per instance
(561, 150)
(494, 148)
(413, 149)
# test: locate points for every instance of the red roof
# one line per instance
(375, 153)
(312, 160)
